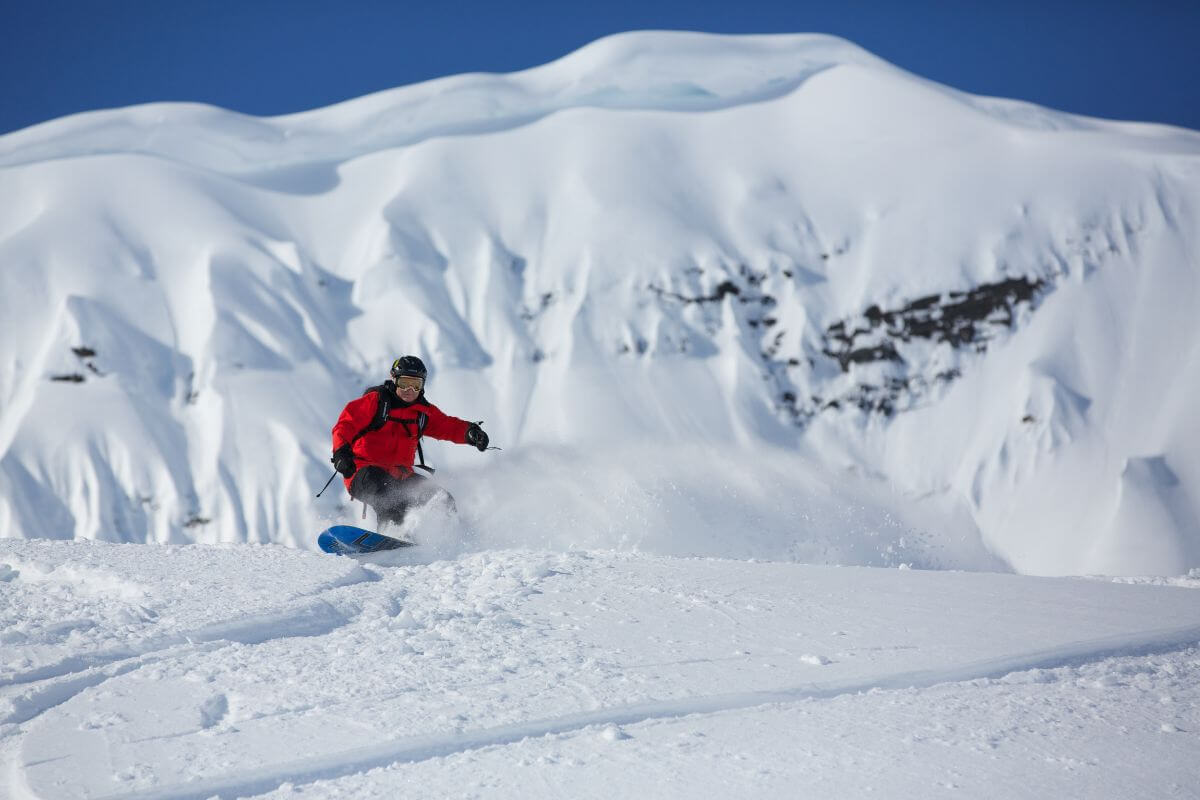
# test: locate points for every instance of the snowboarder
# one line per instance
(378, 435)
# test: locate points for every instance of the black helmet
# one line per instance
(409, 365)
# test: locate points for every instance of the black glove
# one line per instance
(343, 460)
(476, 436)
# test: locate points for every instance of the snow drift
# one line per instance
(733, 288)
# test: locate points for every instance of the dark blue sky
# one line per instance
(1122, 60)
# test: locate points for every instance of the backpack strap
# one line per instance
(422, 418)
(387, 394)
(384, 405)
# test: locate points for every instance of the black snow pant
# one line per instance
(391, 498)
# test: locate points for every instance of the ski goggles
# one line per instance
(409, 382)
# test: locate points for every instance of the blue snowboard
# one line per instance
(347, 540)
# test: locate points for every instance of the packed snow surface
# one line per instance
(803, 370)
(197, 671)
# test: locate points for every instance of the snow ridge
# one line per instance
(626, 72)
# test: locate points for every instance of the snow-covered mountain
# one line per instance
(758, 296)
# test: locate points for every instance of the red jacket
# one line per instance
(394, 446)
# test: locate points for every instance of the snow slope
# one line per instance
(149, 671)
(809, 266)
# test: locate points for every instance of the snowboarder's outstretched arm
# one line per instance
(452, 429)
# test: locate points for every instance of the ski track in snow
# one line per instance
(567, 628)
(52, 685)
(32, 692)
(310, 619)
(422, 748)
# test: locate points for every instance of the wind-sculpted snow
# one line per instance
(638, 71)
(261, 669)
(766, 277)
